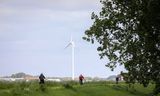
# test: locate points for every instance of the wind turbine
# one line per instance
(71, 43)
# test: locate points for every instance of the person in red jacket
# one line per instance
(81, 78)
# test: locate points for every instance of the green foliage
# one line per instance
(128, 32)
(42, 87)
(88, 89)
(18, 75)
(51, 83)
(5, 85)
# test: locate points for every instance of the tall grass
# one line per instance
(71, 88)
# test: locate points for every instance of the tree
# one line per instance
(18, 75)
(128, 33)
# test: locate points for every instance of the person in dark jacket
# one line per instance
(41, 78)
(117, 80)
(81, 78)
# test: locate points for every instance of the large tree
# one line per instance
(128, 33)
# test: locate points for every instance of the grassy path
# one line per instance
(73, 89)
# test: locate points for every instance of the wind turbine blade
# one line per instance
(71, 39)
(73, 44)
(68, 45)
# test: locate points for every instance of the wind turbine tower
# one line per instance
(71, 43)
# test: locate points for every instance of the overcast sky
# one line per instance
(34, 33)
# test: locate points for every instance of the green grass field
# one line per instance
(72, 89)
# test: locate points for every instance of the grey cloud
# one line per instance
(53, 4)
(38, 15)
(35, 11)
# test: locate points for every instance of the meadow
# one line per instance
(70, 88)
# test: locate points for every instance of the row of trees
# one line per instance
(128, 32)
